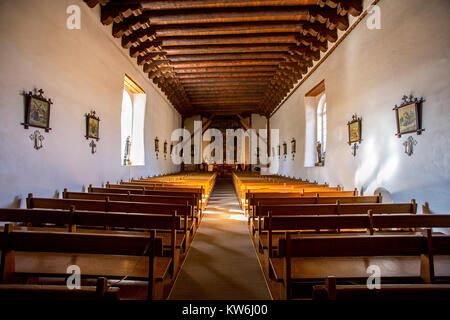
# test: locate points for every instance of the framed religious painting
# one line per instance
(92, 126)
(354, 130)
(37, 110)
(408, 116)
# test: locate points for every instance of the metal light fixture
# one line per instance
(293, 147)
(157, 147)
(165, 150)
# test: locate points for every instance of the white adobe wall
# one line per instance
(80, 70)
(368, 74)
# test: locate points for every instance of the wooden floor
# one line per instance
(221, 263)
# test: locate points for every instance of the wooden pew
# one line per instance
(92, 222)
(350, 223)
(144, 191)
(200, 191)
(332, 209)
(59, 292)
(290, 267)
(272, 201)
(25, 253)
(128, 197)
(388, 292)
(115, 206)
(253, 198)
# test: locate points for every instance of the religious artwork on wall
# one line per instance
(92, 126)
(93, 146)
(409, 116)
(127, 152)
(284, 150)
(409, 146)
(37, 139)
(320, 155)
(37, 110)
(354, 133)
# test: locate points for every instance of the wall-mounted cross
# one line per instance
(409, 145)
(37, 138)
(354, 149)
(93, 147)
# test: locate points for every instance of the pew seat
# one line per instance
(165, 236)
(92, 265)
(58, 292)
(331, 291)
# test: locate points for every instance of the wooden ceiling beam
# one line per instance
(226, 69)
(248, 62)
(227, 56)
(321, 32)
(199, 92)
(163, 43)
(116, 13)
(223, 80)
(225, 101)
(205, 4)
(243, 48)
(328, 17)
(117, 10)
(353, 7)
(225, 85)
(237, 97)
(224, 75)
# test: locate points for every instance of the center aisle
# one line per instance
(221, 263)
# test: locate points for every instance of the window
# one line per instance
(316, 126)
(132, 124)
(322, 121)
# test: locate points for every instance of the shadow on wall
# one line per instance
(15, 204)
(385, 194)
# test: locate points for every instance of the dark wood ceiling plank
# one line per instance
(226, 69)
(317, 30)
(329, 17)
(228, 56)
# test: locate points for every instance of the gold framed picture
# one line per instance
(37, 110)
(408, 116)
(354, 130)
(92, 126)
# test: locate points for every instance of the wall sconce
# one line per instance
(284, 150)
(165, 150)
(279, 151)
(157, 147)
(293, 147)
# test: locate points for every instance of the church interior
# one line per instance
(193, 150)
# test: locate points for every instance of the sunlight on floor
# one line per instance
(238, 217)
